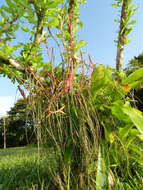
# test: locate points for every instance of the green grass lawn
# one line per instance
(24, 168)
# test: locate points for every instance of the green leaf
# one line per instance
(115, 5)
(1, 186)
(80, 44)
(25, 29)
(74, 115)
(79, 23)
(136, 75)
(81, 1)
(23, 3)
(130, 7)
(7, 9)
(53, 22)
(133, 22)
(75, 29)
(68, 154)
(117, 111)
(92, 167)
(124, 131)
(134, 116)
(101, 79)
(9, 3)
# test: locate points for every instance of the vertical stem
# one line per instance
(4, 132)
(122, 36)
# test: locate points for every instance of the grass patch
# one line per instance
(25, 168)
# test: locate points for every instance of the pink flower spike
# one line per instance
(91, 61)
(91, 64)
(52, 90)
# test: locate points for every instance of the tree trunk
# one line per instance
(122, 36)
(119, 59)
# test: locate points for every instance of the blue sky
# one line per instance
(99, 31)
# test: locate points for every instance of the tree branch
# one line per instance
(12, 63)
(8, 25)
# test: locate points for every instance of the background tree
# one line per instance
(19, 125)
(135, 63)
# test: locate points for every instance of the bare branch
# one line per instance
(15, 64)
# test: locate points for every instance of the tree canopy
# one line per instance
(135, 63)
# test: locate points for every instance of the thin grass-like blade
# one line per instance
(101, 176)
